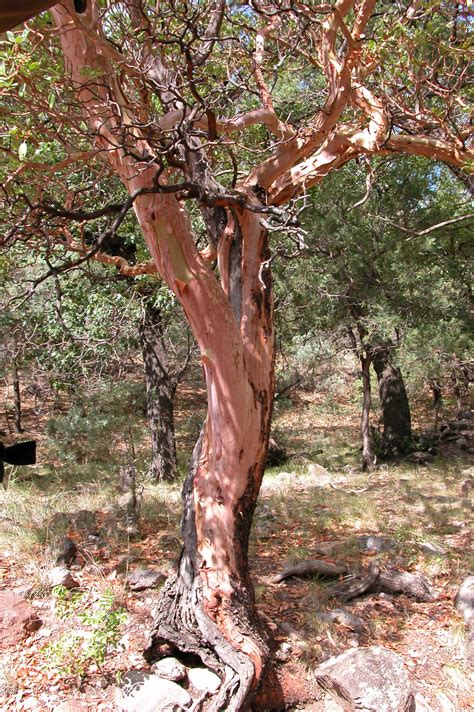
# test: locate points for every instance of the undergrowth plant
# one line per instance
(97, 631)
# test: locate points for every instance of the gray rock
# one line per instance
(140, 579)
(370, 679)
(203, 679)
(322, 477)
(141, 692)
(348, 619)
(326, 548)
(420, 458)
(169, 669)
(431, 549)
(379, 544)
(284, 652)
(60, 576)
(464, 600)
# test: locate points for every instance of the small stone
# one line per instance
(431, 549)
(284, 652)
(169, 669)
(349, 620)
(322, 477)
(378, 544)
(203, 679)
(140, 579)
(141, 692)
(420, 458)
(326, 548)
(464, 600)
(60, 576)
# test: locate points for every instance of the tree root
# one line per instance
(182, 622)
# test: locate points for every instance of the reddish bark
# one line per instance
(208, 608)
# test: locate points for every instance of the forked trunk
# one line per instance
(368, 457)
(397, 436)
(208, 608)
(160, 391)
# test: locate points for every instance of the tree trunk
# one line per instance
(368, 458)
(208, 608)
(160, 391)
(17, 398)
(397, 435)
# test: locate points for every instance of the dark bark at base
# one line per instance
(397, 435)
(160, 390)
(183, 623)
(368, 457)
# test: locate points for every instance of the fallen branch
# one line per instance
(360, 586)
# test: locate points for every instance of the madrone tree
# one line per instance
(237, 108)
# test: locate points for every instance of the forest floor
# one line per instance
(296, 519)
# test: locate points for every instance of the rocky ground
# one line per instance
(327, 544)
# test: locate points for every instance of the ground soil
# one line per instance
(408, 503)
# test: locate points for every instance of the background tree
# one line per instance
(360, 275)
(161, 98)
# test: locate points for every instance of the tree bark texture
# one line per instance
(368, 457)
(396, 415)
(17, 398)
(208, 607)
(160, 391)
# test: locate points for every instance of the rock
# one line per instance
(322, 477)
(140, 579)
(371, 679)
(464, 600)
(348, 619)
(284, 652)
(17, 619)
(276, 454)
(203, 679)
(431, 549)
(141, 692)
(169, 669)
(420, 458)
(60, 576)
(377, 544)
(326, 548)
